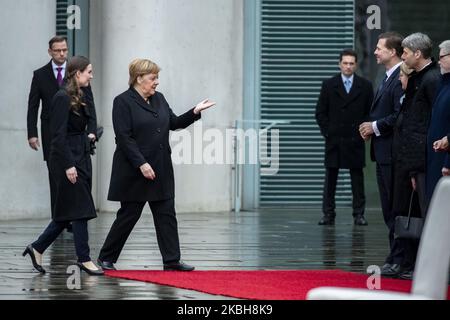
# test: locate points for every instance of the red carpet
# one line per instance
(259, 285)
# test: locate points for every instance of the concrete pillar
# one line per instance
(198, 45)
(27, 27)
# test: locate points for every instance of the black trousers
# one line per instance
(80, 237)
(329, 191)
(52, 188)
(166, 227)
(385, 188)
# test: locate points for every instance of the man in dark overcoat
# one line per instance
(343, 104)
(46, 82)
(438, 163)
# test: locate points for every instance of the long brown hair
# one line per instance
(75, 64)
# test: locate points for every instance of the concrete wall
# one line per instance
(26, 26)
(199, 45)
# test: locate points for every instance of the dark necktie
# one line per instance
(381, 87)
(59, 77)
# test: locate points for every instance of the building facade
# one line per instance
(262, 61)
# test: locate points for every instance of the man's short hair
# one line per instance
(348, 52)
(445, 46)
(419, 41)
(393, 41)
(56, 39)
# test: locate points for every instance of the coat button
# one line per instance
(156, 115)
(158, 130)
(160, 146)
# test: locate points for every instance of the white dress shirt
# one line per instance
(388, 74)
(55, 69)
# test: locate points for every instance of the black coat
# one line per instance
(142, 136)
(385, 108)
(43, 88)
(70, 147)
(410, 131)
(439, 127)
(339, 115)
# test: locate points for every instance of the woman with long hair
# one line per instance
(70, 167)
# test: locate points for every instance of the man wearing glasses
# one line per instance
(438, 163)
(45, 84)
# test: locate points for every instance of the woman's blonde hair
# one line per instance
(140, 67)
(405, 69)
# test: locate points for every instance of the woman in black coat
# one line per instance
(70, 167)
(142, 167)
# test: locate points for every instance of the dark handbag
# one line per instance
(407, 227)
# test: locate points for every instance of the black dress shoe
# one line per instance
(29, 250)
(98, 272)
(390, 270)
(360, 220)
(406, 275)
(178, 266)
(106, 265)
(326, 221)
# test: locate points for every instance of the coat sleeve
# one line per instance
(448, 139)
(322, 110)
(386, 124)
(92, 122)
(183, 121)
(123, 129)
(58, 125)
(447, 161)
(34, 99)
(431, 89)
(368, 102)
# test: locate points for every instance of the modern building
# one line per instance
(262, 61)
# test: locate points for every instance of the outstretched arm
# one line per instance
(186, 119)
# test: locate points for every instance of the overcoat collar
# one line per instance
(141, 102)
(355, 91)
(51, 76)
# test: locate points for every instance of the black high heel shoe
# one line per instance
(29, 251)
(98, 272)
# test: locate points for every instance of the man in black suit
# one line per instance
(344, 103)
(383, 115)
(46, 82)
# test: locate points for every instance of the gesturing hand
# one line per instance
(205, 104)
(72, 175)
(147, 171)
